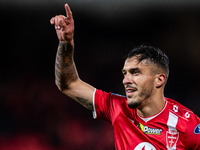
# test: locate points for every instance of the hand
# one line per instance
(64, 26)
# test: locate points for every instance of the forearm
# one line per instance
(65, 70)
(66, 76)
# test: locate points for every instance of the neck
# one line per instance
(151, 106)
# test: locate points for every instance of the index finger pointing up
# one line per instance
(68, 11)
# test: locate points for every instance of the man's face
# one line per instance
(139, 81)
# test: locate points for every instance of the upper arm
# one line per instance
(193, 133)
(81, 92)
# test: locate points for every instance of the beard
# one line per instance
(133, 105)
(135, 101)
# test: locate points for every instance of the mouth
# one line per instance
(130, 90)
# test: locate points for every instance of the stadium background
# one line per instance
(34, 115)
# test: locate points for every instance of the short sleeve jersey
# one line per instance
(175, 127)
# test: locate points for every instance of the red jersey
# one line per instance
(175, 127)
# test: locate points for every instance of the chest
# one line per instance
(163, 133)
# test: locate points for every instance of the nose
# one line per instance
(127, 79)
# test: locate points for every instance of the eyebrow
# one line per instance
(132, 69)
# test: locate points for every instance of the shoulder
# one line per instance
(118, 97)
(109, 95)
(119, 101)
(116, 101)
(188, 123)
(110, 104)
(179, 110)
(186, 119)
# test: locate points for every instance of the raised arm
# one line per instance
(66, 76)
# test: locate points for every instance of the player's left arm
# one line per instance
(193, 138)
(197, 133)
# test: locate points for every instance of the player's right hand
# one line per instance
(64, 26)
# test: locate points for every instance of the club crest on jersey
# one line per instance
(148, 130)
(172, 138)
(197, 129)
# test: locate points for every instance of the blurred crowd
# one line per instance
(34, 115)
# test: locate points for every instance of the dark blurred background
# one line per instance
(34, 115)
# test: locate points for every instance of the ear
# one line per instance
(160, 80)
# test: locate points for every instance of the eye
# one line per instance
(124, 73)
(135, 72)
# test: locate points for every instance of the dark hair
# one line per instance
(154, 55)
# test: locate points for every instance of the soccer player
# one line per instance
(142, 120)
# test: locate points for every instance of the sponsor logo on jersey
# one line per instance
(187, 115)
(175, 108)
(148, 130)
(145, 146)
(197, 129)
(172, 138)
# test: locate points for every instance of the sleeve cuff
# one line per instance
(94, 112)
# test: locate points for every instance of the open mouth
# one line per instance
(130, 90)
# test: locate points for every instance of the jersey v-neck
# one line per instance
(146, 119)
